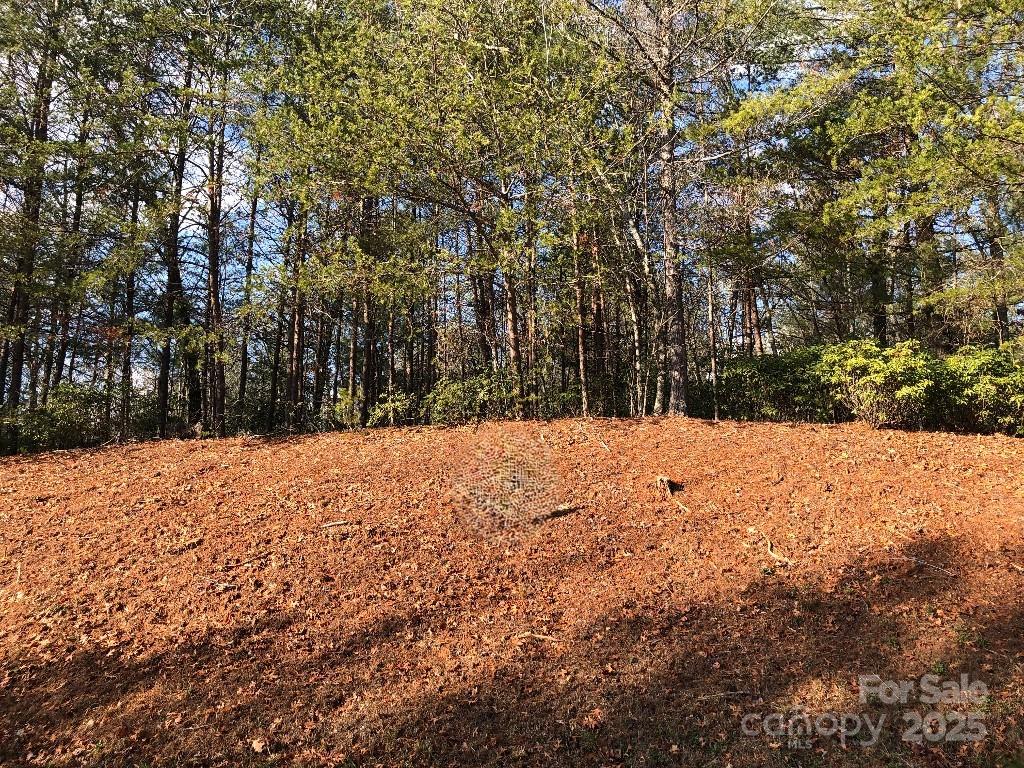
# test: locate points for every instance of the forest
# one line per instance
(512, 383)
(255, 216)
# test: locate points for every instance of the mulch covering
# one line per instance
(507, 594)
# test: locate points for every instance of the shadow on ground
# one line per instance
(661, 682)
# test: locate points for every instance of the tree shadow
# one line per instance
(657, 685)
(650, 682)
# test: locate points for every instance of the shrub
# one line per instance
(556, 404)
(983, 390)
(785, 387)
(392, 409)
(145, 414)
(73, 417)
(343, 414)
(976, 389)
(458, 401)
(886, 387)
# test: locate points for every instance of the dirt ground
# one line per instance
(512, 595)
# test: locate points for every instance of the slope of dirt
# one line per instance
(509, 594)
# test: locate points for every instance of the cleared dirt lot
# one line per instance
(508, 594)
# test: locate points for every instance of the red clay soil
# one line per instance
(509, 594)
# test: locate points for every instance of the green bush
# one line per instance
(784, 387)
(455, 401)
(145, 414)
(73, 417)
(343, 414)
(393, 409)
(557, 405)
(983, 391)
(976, 389)
(886, 387)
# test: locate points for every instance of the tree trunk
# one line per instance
(581, 331)
(129, 332)
(515, 350)
(69, 273)
(997, 255)
(243, 352)
(367, 370)
(675, 327)
(353, 347)
(712, 337)
(325, 333)
(638, 406)
(275, 369)
(296, 340)
(174, 292)
(483, 312)
(217, 349)
(931, 282)
(38, 134)
(599, 356)
(879, 300)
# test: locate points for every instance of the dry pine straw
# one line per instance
(566, 593)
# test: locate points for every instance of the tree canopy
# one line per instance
(252, 215)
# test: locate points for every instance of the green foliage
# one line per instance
(886, 387)
(461, 187)
(785, 387)
(345, 413)
(975, 390)
(393, 409)
(73, 417)
(984, 391)
(556, 405)
(454, 401)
